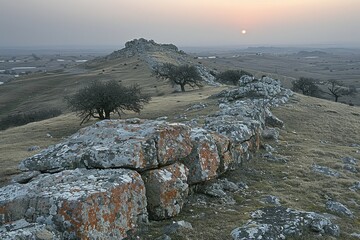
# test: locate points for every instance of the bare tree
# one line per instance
(337, 89)
(179, 75)
(99, 100)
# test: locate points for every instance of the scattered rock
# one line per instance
(163, 237)
(270, 134)
(271, 120)
(355, 187)
(354, 145)
(349, 160)
(242, 185)
(198, 106)
(178, 226)
(216, 190)
(350, 168)
(355, 235)
(33, 148)
(272, 200)
(338, 208)
(227, 185)
(281, 222)
(325, 170)
(268, 148)
(272, 158)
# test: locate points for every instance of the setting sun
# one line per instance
(243, 31)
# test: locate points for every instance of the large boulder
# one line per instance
(166, 190)
(86, 204)
(204, 161)
(138, 145)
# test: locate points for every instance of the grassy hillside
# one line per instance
(316, 132)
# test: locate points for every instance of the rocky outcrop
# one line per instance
(79, 203)
(109, 178)
(267, 89)
(113, 144)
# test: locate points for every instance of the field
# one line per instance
(316, 131)
(328, 64)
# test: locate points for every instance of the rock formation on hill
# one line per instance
(154, 54)
(108, 179)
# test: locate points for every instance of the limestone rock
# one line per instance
(33, 148)
(270, 134)
(280, 222)
(272, 200)
(271, 120)
(338, 208)
(166, 190)
(325, 170)
(21, 229)
(178, 226)
(79, 203)
(113, 144)
(349, 160)
(26, 176)
(204, 161)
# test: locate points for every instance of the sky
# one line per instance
(40, 23)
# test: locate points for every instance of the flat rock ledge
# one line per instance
(108, 179)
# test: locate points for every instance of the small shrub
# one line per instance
(231, 76)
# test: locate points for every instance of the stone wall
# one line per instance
(109, 178)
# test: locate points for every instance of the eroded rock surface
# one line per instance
(114, 144)
(280, 222)
(166, 190)
(79, 203)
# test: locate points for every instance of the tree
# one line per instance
(231, 76)
(337, 89)
(100, 99)
(306, 86)
(179, 75)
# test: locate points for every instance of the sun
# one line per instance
(243, 31)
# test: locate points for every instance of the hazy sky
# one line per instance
(182, 22)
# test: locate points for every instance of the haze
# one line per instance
(39, 23)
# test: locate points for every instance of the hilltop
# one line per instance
(130, 65)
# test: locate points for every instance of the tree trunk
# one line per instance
(336, 98)
(182, 87)
(100, 113)
(107, 114)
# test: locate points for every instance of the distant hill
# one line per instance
(130, 65)
(146, 50)
(312, 53)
